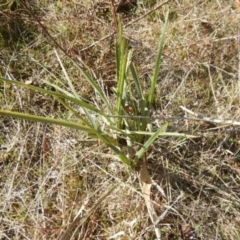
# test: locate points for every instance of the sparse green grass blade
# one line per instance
(65, 92)
(157, 64)
(121, 93)
(47, 120)
(149, 142)
(67, 77)
(137, 84)
(106, 139)
(121, 62)
(70, 109)
(96, 88)
(140, 98)
(55, 94)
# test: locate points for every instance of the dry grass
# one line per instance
(50, 174)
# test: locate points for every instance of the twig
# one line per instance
(127, 25)
(199, 117)
(56, 44)
(146, 14)
(98, 41)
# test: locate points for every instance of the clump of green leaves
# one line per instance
(107, 124)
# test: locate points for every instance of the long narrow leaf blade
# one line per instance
(95, 86)
(66, 76)
(59, 95)
(121, 95)
(149, 142)
(158, 62)
(46, 120)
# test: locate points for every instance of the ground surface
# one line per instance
(49, 173)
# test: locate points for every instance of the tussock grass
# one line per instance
(51, 174)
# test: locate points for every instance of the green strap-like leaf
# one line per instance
(157, 64)
(46, 120)
(149, 142)
(56, 94)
